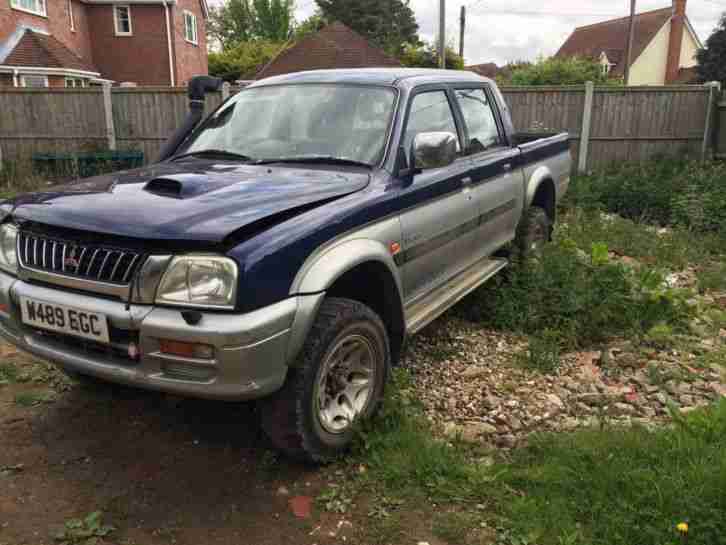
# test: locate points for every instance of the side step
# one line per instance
(426, 310)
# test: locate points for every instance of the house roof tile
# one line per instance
(43, 51)
(612, 37)
(335, 46)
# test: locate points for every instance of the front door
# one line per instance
(442, 208)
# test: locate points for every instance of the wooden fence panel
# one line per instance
(48, 120)
(633, 123)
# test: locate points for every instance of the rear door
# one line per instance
(497, 183)
(441, 209)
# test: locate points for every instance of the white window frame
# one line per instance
(42, 10)
(75, 82)
(71, 20)
(189, 16)
(23, 83)
(116, 20)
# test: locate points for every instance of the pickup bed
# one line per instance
(284, 248)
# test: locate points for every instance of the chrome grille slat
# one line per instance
(103, 264)
(129, 268)
(117, 266)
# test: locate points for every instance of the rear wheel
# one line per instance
(533, 233)
(338, 379)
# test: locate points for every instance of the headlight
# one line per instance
(203, 281)
(8, 246)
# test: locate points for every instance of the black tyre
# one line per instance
(338, 378)
(534, 231)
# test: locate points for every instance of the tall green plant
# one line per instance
(557, 71)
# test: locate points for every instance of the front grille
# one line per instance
(87, 261)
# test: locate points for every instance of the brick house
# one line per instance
(76, 43)
(664, 46)
(335, 46)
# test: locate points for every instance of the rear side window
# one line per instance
(479, 119)
(430, 112)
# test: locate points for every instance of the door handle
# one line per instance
(507, 167)
(466, 181)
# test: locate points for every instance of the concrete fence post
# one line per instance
(108, 110)
(225, 90)
(720, 128)
(585, 132)
(708, 135)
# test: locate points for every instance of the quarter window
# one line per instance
(190, 27)
(36, 7)
(430, 112)
(122, 20)
(479, 119)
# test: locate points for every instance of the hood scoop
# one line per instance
(165, 187)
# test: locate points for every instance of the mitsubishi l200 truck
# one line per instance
(284, 248)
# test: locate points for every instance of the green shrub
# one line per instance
(681, 192)
(582, 298)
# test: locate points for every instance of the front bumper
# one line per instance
(250, 350)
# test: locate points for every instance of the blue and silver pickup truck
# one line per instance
(284, 248)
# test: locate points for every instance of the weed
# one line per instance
(8, 373)
(32, 399)
(84, 531)
(712, 277)
(660, 336)
(336, 499)
(544, 351)
(453, 527)
(579, 298)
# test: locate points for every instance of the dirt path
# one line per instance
(162, 470)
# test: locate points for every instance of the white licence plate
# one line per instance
(63, 319)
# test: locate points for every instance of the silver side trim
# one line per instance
(438, 301)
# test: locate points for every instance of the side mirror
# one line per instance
(433, 150)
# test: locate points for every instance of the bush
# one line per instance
(668, 192)
(584, 299)
(556, 71)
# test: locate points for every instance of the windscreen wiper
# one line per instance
(218, 153)
(313, 159)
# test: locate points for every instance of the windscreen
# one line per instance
(312, 120)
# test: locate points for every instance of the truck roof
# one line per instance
(374, 76)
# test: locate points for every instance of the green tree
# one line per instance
(390, 24)
(231, 23)
(238, 21)
(309, 26)
(427, 56)
(273, 19)
(556, 71)
(244, 60)
(712, 59)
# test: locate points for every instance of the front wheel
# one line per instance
(338, 379)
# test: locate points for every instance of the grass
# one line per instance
(8, 373)
(32, 399)
(614, 486)
(621, 486)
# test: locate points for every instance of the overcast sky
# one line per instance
(509, 30)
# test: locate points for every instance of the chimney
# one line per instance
(678, 23)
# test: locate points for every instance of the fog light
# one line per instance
(186, 350)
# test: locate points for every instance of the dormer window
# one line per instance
(36, 7)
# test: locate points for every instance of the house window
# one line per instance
(190, 27)
(75, 82)
(70, 16)
(36, 7)
(27, 80)
(122, 20)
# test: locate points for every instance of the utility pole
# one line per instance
(629, 49)
(442, 33)
(462, 27)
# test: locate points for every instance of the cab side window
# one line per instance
(479, 118)
(430, 112)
